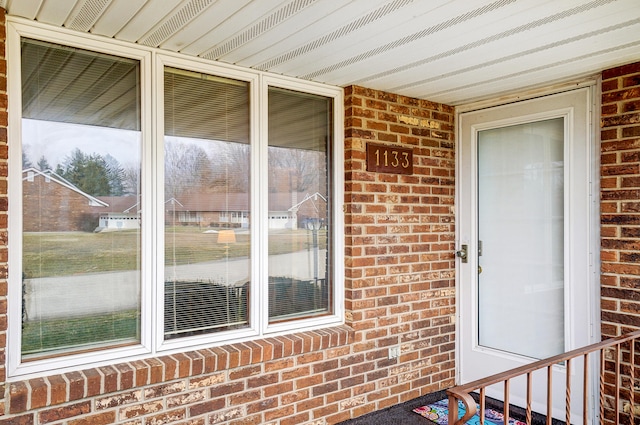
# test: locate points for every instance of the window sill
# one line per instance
(57, 389)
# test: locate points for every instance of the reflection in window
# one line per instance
(207, 234)
(102, 239)
(80, 224)
(299, 205)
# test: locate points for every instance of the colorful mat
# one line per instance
(438, 412)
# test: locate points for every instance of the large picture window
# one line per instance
(162, 203)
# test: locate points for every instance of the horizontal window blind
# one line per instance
(65, 84)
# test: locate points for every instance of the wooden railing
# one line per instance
(618, 363)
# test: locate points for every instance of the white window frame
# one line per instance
(152, 63)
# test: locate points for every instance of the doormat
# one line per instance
(438, 412)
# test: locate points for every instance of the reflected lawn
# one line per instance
(71, 253)
(45, 335)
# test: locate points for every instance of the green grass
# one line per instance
(71, 253)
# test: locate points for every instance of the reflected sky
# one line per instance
(55, 141)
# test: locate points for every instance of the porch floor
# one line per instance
(402, 414)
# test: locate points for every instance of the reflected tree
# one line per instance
(26, 162)
(187, 168)
(303, 167)
(115, 174)
(206, 167)
(131, 179)
(43, 164)
(92, 173)
(234, 167)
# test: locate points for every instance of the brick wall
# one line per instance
(400, 245)
(620, 199)
(400, 292)
(620, 224)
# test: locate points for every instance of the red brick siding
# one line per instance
(400, 245)
(620, 223)
(620, 199)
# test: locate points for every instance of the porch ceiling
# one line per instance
(450, 51)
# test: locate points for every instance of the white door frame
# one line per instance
(593, 274)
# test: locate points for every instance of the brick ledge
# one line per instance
(73, 386)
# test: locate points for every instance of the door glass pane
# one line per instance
(81, 150)
(299, 205)
(521, 229)
(206, 207)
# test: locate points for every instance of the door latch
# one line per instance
(462, 254)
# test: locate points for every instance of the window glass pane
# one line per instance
(299, 203)
(81, 150)
(207, 234)
(521, 223)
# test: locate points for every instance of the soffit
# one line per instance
(449, 51)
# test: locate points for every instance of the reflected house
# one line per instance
(311, 206)
(123, 213)
(208, 210)
(52, 204)
(286, 210)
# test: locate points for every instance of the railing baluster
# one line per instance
(549, 393)
(585, 387)
(602, 370)
(632, 372)
(617, 372)
(567, 398)
(453, 410)
(505, 406)
(482, 404)
(529, 396)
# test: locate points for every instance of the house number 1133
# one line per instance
(389, 159)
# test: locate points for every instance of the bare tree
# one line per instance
(131, 179)
(236, 166)
(187, 168)
(303, 169)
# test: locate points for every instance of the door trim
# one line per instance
(593, 152)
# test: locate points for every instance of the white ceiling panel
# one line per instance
(248, 22)
(506, 53)
(55, 13)
(116, 16)
(491, 38)
(407, 38)
(295, 26)
(496, 85)
(27, 8)
(203, 23)
(85, 14)
(450, 51)
(324, 31)
(150, 16)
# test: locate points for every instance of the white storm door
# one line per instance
(524, 216)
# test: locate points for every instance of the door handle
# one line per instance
(463, 253)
